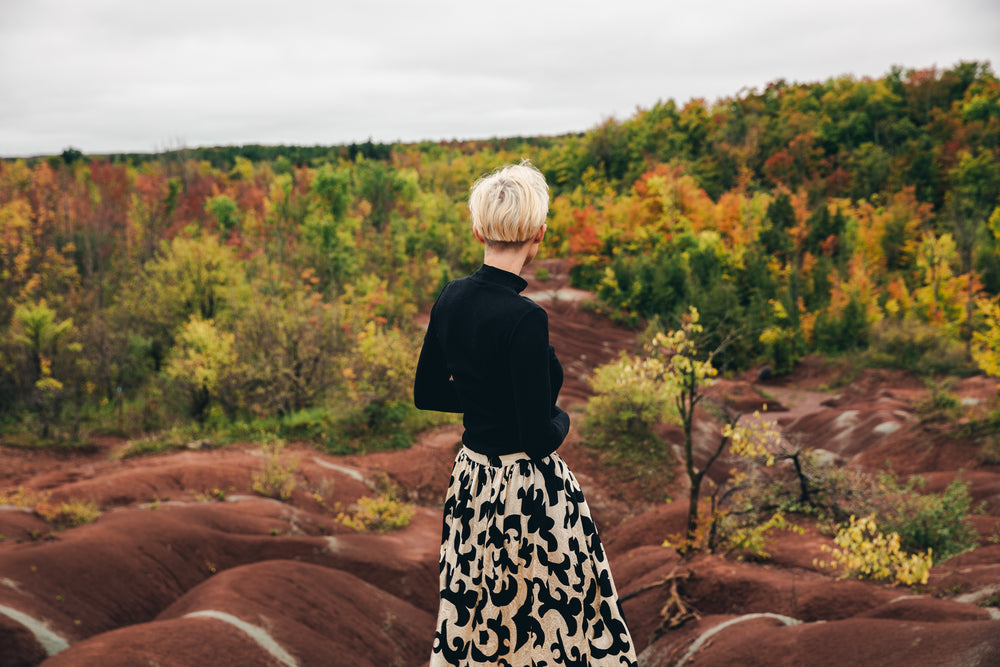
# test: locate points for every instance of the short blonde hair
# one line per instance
(509, 205)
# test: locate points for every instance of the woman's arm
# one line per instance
(541, 425)
(433, 386)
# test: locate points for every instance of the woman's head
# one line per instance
(509, 205)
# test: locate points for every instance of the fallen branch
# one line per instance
(675, 611)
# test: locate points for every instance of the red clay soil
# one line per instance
(187, 566)
(275, 611)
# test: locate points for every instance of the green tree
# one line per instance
(193, 277)
(974, 195)
(384, 189)
(780, 218)
(225, 211)
(45, 339)
(333, 189)
(201, 361)
(870, 166)
(379, 372)
(41, 334)
(290, 352)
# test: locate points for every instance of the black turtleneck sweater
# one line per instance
(486, 354)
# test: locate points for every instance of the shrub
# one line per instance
(277, 478)
(26, 438)
(72, 512)
(929, 521)
(68, 514)
(379, 373)
(989, 451)
(941, 403)
(621, 418)
(22, 498)
(831, 492)
(864, 552)
(315, 424)
(750, 540)
(383, 513)
(986, 350)
(914, 346)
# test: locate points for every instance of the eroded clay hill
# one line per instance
(187, 566)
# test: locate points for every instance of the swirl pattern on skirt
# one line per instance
(524, 577)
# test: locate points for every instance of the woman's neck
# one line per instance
(512, 260)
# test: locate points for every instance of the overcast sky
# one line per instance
(143, 75)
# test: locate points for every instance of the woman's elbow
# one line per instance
(421, 397)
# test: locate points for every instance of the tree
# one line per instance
(333, 189)
(290, 349)
(154, 200)
(382, 187)
(225, 211)
(870, 166)
(201, 360)
(934, 257)
(974, 194)
(780, 218)
(41, 334)
(193, 277)
(685, 372)
(71, 155)
(986, 351)
(44, 337)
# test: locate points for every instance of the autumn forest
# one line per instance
(249, 290)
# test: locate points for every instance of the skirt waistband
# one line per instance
(494, 460)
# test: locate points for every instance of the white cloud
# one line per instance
(111, 75)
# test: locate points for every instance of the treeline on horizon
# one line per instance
(256, 288)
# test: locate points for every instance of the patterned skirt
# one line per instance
(524, 577)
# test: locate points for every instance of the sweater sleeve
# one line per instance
(541, 425)
(433, 386)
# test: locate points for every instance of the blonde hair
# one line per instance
(509, 205)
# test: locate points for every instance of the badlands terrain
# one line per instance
(186, 565)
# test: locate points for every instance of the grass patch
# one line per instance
(336, 430)
(170, 440)
(66, 514)
(29, 440)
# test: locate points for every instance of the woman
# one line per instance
(524, 578)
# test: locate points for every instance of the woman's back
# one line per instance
(488, 356)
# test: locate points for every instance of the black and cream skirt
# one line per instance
(524, 578)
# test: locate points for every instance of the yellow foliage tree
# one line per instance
(986, 344)
(379, 373)
(685, 372)
(201, 359)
